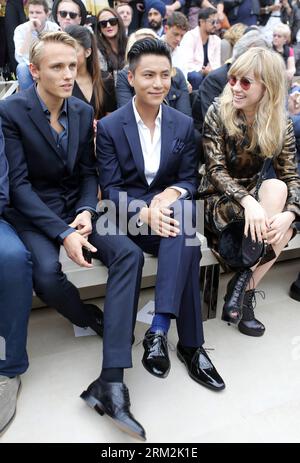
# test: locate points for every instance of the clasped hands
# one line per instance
(158, 214)
(263, 228)
(74, 242)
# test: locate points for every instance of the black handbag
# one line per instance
(237, 250)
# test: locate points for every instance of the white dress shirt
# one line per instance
(151, 148)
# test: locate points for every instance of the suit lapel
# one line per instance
(131, 132)
(39, 119)
(167, 137)
(73, 134)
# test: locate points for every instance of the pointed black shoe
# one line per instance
(249, 325)
(113, 400)
(96, 317)
(295, 289)
(200, 368)
(232, 309)
(156, 357)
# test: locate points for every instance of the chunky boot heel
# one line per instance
(249, 325)
(233, 307)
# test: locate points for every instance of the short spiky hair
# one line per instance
(147, 46)
(42, 3)
(205, 13)
(38, 45)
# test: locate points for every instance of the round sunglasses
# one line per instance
(105, 22)
(64, 14)
(245, 83)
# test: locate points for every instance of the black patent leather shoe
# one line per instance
(113, 400)
(156, 357)
(233, 307)
(200, 368)
(96, 317)
(295, 289)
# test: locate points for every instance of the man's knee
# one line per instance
(47, 276)
(15, 259)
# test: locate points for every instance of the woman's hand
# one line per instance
(278, 226)
(256, 220)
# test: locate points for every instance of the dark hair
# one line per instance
(179, 20)
(114, 62)
(86, 39)
(78, 2)
(205, 13)
(42, 3)
(147, 46)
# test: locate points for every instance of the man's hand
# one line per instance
(160, 221)
(35, 24)
(73, 245)
(83, 223)
(165, 198)
(206, 69)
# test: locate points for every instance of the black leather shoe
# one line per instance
(113, 400)
(232, 309)
(249, 325)
(96, 316)
(156, 358)
(295, 289)
(200, 368)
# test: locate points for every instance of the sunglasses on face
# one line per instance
(64, 14)
(213, 22)
(105, 22)
(245, 83)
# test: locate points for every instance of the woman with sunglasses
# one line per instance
(112, 40)
(247, 125)
(68, 12)
(90, 85)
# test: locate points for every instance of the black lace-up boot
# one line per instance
(248, 324)
(233, 307)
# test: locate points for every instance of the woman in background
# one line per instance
(90, 86)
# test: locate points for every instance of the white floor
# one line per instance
(261, 402)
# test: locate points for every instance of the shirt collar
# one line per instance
(46, 110)
(138, 118)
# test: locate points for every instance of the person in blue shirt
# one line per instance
(15, 304)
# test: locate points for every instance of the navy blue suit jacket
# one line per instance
(120, 158)
(44, 192)
(3, 175)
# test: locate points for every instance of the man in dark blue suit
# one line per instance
(54, 186)
(148, 169)
(15, 305)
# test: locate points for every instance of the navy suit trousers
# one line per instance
(15, 301)
(124, 261)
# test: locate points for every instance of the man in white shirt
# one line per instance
(147, 166)
(38, 13)
(200, 48)
(176, 26)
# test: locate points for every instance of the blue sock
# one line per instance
(160, 322)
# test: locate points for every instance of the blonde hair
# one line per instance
(284, 30)
(138, 35)
(38, 45)
(234, 33)
(269, 125)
